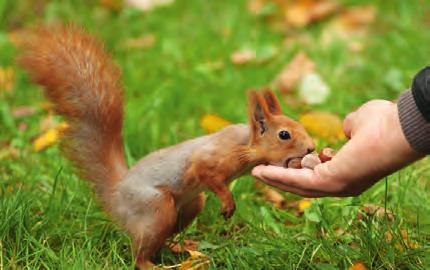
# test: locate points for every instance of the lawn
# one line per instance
(50, 218)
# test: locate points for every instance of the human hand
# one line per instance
(377, 148)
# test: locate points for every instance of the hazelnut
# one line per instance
(295, 163)
(326, 154)
(310, 161)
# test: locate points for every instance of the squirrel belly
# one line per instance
(169, 169)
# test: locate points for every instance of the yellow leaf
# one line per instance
(324, 125)
(303, 204)
(7, 79)
(357, 266)
(196, 261)
(51, 136)
(213, 123)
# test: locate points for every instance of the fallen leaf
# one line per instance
(23, 111)
(147, 5)
(18, 36)
(22, 126)
(142, 42)
(303, 12)
(358, 266)
(324, 125)
(255, 6)
(312, 89)
(115, 5)
(303, 204)
(48, 138)
(9, 152)
(352, 24)
(184, 246)
(242, 56)
(369, 209)
(47, 122)
(290, 75)
(274, 197)
(7, 79)
(402, 241)
(196, 261)
(212, 123)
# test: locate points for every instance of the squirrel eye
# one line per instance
(284, 135)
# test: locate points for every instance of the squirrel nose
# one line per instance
(310, 150)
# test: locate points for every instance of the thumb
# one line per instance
(349, 124)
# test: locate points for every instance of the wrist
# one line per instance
(414, 126)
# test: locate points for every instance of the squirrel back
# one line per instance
(81, 81)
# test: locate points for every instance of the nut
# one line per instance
(326, 154)
(310, 161)
(295, 163)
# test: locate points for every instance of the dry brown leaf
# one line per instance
(370, 209)
(255, 6)
(184, 246)
(243, 56)
(324, 125)
(142, 42)
(358, 266)
(23, 111)
(274, 197)
(290, 75)
(303, 12)
(22, 126)
(48, 138)
(350, 25)
(212, 123)
(115, 5)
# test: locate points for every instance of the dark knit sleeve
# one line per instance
(421, 92)
(413, 116)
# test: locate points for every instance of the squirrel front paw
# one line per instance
(228, 210)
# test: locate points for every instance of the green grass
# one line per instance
(50, 219)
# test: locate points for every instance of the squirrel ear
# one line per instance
(272, 102)
(258, 112)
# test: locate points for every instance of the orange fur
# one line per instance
(162, 193)
(83, 84)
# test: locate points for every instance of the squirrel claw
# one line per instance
(228, 211)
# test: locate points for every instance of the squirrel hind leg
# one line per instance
(189, 211)
(153, 228)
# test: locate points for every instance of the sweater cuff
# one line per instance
(415, 128)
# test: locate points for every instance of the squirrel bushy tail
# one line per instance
(79, 77)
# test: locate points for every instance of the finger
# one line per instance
(320, 180)
(348, 124)
(298, 191)
(293, 178)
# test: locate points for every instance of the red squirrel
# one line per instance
(163, 192)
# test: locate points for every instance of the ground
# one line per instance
(51, 219)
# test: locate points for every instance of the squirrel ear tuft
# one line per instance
(258, 112)
(272, 102)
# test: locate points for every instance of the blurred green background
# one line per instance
(177, 67)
